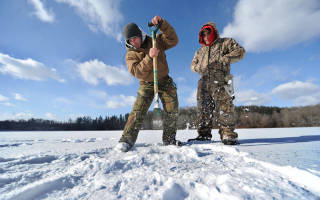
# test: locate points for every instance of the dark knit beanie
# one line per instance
(131, 30)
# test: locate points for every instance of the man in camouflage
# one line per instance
(139, 62)
(215, 88)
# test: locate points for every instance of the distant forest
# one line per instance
(246, 117)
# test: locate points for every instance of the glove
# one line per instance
(224, 60)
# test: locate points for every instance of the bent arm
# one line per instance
(168, 37)
(195, 67)
(235, 51)
(140, 68)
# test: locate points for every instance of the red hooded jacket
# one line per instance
(211, 37)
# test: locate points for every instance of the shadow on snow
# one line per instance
(284, 140)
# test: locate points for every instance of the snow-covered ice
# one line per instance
(280, 163)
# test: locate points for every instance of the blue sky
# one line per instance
(61, 59)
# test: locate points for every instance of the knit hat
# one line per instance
(131, 30)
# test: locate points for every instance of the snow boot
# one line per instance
(228, 137)
(123, 146)
(227, 140)
(173, 142)
(201, 138)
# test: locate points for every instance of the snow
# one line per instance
(280, 163)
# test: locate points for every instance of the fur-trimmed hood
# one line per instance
(214, 33)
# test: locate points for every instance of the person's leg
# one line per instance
(205, 111)
(226, 119)
(139, 110)
(169, 99)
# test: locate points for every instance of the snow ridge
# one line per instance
(85, 165)
(153, 171)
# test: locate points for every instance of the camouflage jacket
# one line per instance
(213, 62)
(139, 62)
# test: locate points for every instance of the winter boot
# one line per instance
(228, 140)
(123, 147)
(172, 142)
(228, 137)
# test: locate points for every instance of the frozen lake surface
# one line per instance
(280, 163)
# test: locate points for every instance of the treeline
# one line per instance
(246, 117)
(255, 117)
(81, 123)
(270, 117)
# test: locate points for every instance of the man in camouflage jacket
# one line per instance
(215, 88)
(139, 62)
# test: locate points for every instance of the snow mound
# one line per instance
(152, 171)
(79, 167)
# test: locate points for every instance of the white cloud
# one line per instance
(120, 101)
(19, 97)
(8, 104)
(307, 100)
(92, 71)
(192, 99)
(301, 93)
(23, 115)
(102, 15)
(271, 24)
(251, 97)
(4, 101)
(295, 89)
(245, 95)
(15, 116)
(26, 69)
(50, 116)
(3, 98)
(41, 12)
(101, 100)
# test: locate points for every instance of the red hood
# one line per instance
(212, 35)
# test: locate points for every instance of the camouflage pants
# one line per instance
(169, 99)
(214, 104)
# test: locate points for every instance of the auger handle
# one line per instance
(155, 63)
(155, 30)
